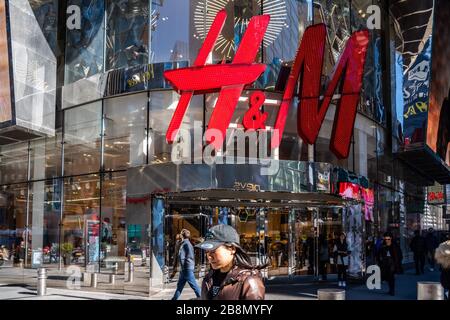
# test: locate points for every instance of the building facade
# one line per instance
(87, 177)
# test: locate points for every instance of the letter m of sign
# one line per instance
(307, 69)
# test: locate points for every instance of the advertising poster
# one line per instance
(416, 85)
(412, 54)
(92, 227)
(436, 194)
(355, 231)
(5, 95)
(158, 230)
(369, 200)
(349, 190)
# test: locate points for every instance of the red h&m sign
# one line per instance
(230, 80)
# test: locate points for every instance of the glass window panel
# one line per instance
(289, 19)
(13, 221)
(46, 13)
(45, 156)
(45, 211)
(13, 163)
(34, 69)
(81, 221)
(113, 227)
(82, 139)
(171, 25)
(127, 33)
(85, 46)
(162, 107)
(125, 131)
(372, 91)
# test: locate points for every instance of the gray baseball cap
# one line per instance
(219, 235)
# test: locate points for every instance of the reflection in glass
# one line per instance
(127, 33)
(162, 107)
(46, 13)
(45, 157)
(411, 70)
(85, 46)
(13, 224)
(125, 132)
(81, 221)
(113, 220)
(13, 163)
(45, 210)
(170, 33)
(280, 51)
(82, 139)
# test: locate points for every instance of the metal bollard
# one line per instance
(131, 272)
(430, 291)
(42, 282)
(94, 278)
(331, 294)
(112, 279)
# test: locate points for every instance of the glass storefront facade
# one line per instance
(65, 198)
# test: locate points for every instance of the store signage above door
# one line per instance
(231, 79)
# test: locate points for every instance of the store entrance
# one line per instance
(315, 233)
(196, 220)
(290, 240)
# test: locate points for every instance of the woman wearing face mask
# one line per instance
(232, 275)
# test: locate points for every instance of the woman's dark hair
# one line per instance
(242, 259)
(388, 234)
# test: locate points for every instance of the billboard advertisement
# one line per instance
(438, 128)
(5, 92)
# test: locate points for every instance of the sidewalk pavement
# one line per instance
(282, 288)
(406, 288)
(16, 292)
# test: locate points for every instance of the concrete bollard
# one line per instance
(42, 282)
(331, 294)
(94, 280)
(430, 291)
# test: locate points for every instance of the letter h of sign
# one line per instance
(229, 79)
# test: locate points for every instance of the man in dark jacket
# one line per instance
(418, 247)
(388, 260)
(186, 259)
(432, 243)
(175, 256)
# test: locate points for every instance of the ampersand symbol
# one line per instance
(254, 118)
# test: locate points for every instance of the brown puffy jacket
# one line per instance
(239, 284)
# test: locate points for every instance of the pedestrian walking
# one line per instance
(324, 257)
(398, 247)
(442, 256)
(388, 260)
(378, 243)
(418, 247)
(342, 253)
(186, 258)
(178, 242)
(432, 243)
(232, 275)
